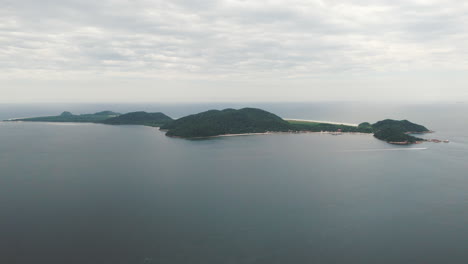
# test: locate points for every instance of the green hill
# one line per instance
(69, 117)
(398, 131)
(365, 127)
(139, 118)
(402, 125)
(227, 121)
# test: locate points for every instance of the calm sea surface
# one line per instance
(98, 194)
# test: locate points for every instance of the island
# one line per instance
(257, 121)
(69, 117)
(245, 121)
(106, 117)
(398, 132)
(139, 118)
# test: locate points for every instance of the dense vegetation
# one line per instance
(228, 121)
(139, 118)
(395, 131)
(365, 127)
(251, 120)
(392, 134)
(107, 117)
(317, 127)
(402, 125)
(69, 117)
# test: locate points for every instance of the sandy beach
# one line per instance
(318, 121)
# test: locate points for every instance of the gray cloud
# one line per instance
(311, 42)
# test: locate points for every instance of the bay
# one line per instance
(89, 193)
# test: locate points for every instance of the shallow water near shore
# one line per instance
(90, 193)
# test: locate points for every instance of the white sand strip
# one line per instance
(318, 121)
(372, 150)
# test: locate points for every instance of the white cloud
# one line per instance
(225, 41)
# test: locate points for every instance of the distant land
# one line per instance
(69, 117)
(139, 118)
(243, 121)
(106, 117)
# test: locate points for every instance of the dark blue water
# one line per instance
(85, 193)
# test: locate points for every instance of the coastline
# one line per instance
(264, 133)
(16, 119)
(405, 143)
(271, 133)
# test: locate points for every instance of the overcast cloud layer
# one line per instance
(183, 50)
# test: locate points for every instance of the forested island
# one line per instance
(251, 120)
(106, 117)
(139, 118)
(398, 132)
(243, 121)
(69, 117)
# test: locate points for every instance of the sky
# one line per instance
(233, 50)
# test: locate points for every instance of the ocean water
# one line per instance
(90, 193)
